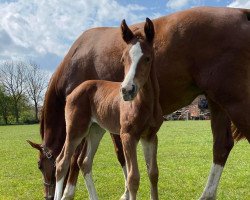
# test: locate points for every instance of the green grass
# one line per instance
(184, 158)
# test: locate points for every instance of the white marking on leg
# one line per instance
(69, 192)
(135, 54)
(59, 189)
(93, 139)
(88, 159)
(150, 152)
(125, 195)
(213, 182)
(90, 186)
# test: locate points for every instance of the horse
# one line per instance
(203, 50)
(130, 108)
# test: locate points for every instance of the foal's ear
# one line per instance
(35, 145)
(127, 34)
(149, 30)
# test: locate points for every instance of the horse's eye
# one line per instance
(147, 59)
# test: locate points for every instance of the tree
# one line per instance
(36, 83)
(12, 78)
(5, 106)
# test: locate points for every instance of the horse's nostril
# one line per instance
(133, 89)
(124, 91)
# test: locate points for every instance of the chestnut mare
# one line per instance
(198, 51)
(134, 113)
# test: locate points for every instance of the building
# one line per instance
(197, 110)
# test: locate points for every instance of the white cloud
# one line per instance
(43, 28)
(177, 4)
(240, 4)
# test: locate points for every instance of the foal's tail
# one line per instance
(237, 135)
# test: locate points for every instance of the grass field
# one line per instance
(184, 158)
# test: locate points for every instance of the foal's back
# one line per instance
(95, 101)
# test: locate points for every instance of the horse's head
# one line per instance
(46, 165)
(137, 58)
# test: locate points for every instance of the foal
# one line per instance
(130, 108)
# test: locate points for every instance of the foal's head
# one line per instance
(137, 58)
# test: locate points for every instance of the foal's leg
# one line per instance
(150, 153)
(129, 143)
(222, 145)
(77, 125)
(85, 160)
(120, 156)
(69, 190)
(63, 161)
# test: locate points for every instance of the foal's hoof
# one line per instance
(207, 198)
(125, 196)
(67, 198)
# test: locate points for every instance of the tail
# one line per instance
(247, 13)
(237, 135)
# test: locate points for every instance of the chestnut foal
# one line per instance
(130, 108)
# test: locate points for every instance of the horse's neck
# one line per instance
(53, 123)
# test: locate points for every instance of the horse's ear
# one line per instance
(35, 145)
(149, 30)
(127, 34)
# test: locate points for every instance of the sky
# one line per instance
(43, 31)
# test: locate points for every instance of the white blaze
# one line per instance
(135, 54)
(212, 183)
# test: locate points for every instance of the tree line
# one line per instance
(22, 86)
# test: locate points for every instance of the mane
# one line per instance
(42, 124)
(42, 111)
(52, 124)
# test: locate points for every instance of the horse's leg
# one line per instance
(222, 145)
(129, 143)
(69, 190)
(120, 156)
(150, 153)
(85, 160)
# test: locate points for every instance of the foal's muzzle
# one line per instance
(129, 95)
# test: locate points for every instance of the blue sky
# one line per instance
(43, 31)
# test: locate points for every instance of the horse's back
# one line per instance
(187, 44)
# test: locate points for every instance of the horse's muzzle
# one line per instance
(129, 95)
